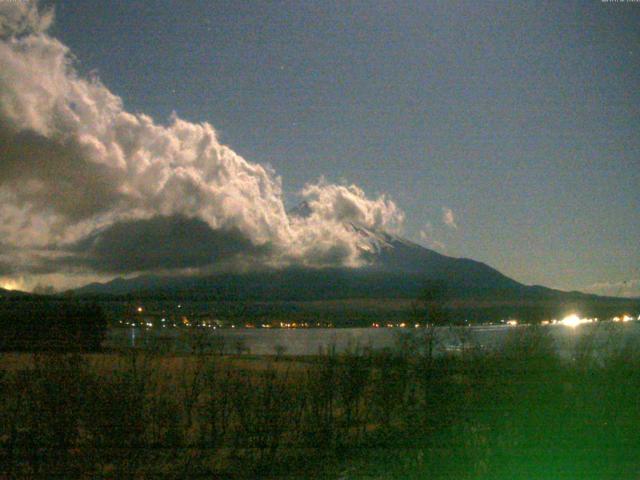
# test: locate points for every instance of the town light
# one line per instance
(571, 320)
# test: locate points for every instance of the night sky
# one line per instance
(507, 132)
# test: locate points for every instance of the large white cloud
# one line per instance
(18, 17)
(74, 163)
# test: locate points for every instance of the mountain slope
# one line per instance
(393, 254)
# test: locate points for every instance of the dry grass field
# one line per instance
(517, 413)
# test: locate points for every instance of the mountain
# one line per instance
(396, 273)
(396, 268)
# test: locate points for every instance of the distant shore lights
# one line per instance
(574, 320)
(624, 318)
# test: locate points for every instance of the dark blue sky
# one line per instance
(522, 117)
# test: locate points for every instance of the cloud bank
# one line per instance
(87, 187)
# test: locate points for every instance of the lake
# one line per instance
(311, 341)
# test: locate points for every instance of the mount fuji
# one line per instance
(396, 272)
(394, 268)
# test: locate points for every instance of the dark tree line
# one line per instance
(51, 325)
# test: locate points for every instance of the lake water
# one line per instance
(312, 341)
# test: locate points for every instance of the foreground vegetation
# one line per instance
(402, 413)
